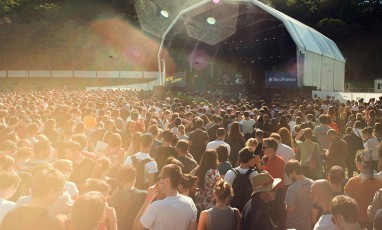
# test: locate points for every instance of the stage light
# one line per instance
(164, 13)
(211, 20)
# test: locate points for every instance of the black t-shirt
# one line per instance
(161, 154)
(188, 163)
(82, 171)
(256, 215)
(198, 139)
(127, 204)
(26, 218)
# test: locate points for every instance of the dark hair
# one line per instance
(220, 132)
(222, 152)
(182, 146)
(246, 154)
(346, 207)
(167, 135)
(271, 142)
(234, 133)
(88, 210)
(174, 172)
(92, 184)
(208, 161)
(198, 123)
(336, 175)
(293, 166)
(126, 174)
(47, 180)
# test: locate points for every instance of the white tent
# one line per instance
(319, 61)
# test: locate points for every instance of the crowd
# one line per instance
(123, 159)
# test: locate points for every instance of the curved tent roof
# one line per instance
(305, 37)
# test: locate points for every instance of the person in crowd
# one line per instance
(115, 153)
(336, 178)
(375, 205)
(321, 132)
(66, 167)
(297, 200)
(128, 199)
(256, 214)
(184, 156)
(224, 165)
(82, 166)
(286, 153)
(321, 194)
(221, 216)
(207, 174)
(9, 182)
(240, 178)
(371, 144)
(46, 189)
(174, 212)
(286, 138)
(220, 137)
(161, 153)
(275, 164)
(146, 167)
(337, 153)
(345, 213)
(88, 211)
(236, 141)
(218, 123)
(354, 143)
(363, 187)
(308, 153)
(247, 124)
(198, 140)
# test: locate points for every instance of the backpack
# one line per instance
(139, 166)
(242, 189)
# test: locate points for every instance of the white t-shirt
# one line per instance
(150, 168)
(71, 188)
(5, 207)
(231, 175)
(325, 223)
(216, 143)
(287, 154)
(371, 144)
(247, 125)
(171, 213)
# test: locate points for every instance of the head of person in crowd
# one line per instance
(286, 137)
(89, 211)
(167, 137)
(146, 141)
(48, 185)
(170, 178)
(187, 186)
(367, 132)
(42, 150)
(344, 210)
(324, 119)
(270, 147)
(220, 134)
(126, 177)
(247, 157)
(293, 170)
(102, 168)
(94, 184)
(358, 124)
(234, 131)
(7, 164)
(251, 143)
(64, 166)
(264, 186)
(73, 151)
(321, 194)
(223, 153)
(222, 192)
(173, 160)
(308, 134)
(265, 118)
(336, 176)
(198, 123)
(364, 162)
(209, 161)
(259, 135)
(22, 156)
(9, 182)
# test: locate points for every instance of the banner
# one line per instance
(280, 79)
(176, 80)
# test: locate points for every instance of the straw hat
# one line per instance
(264, 182)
